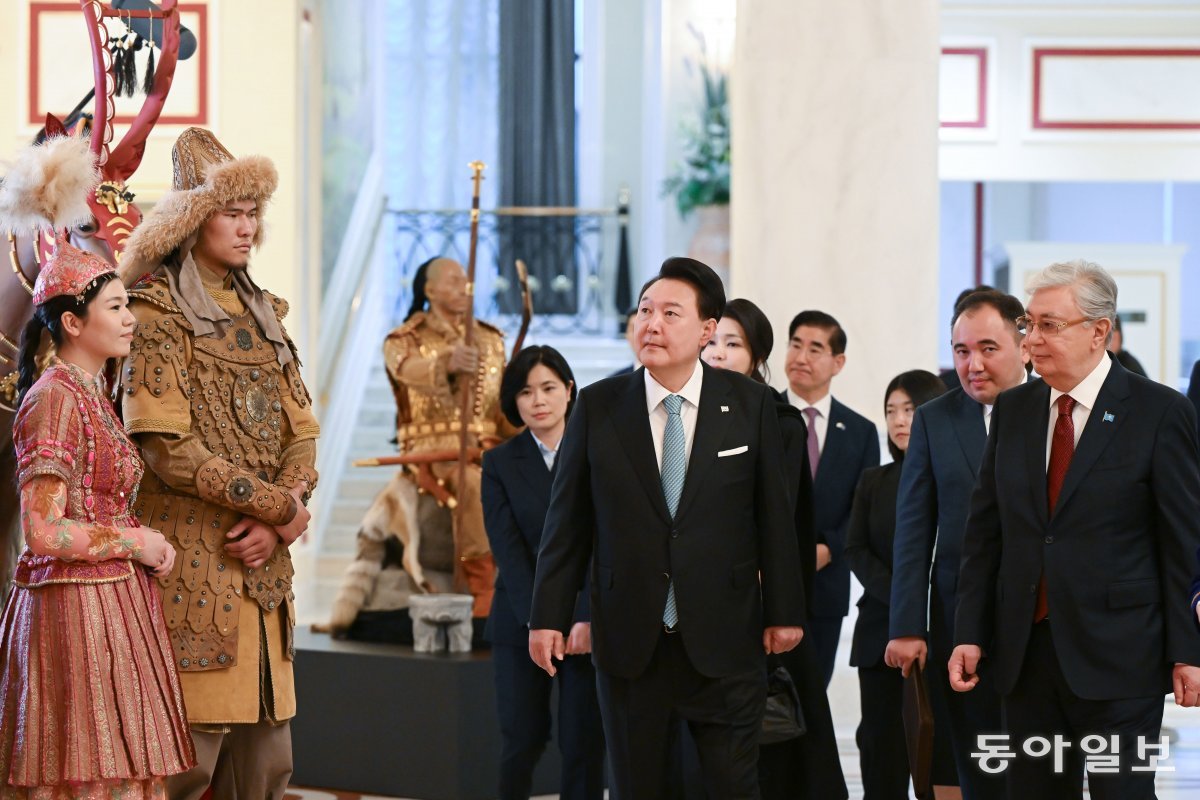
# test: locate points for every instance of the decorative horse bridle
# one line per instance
(111, 203)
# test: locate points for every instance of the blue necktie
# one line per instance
(674, 468)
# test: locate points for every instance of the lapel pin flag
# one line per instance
(724, 409)
(1109, 416)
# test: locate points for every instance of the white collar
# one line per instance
(823, 406)
(1088, 389)
(987, 409)
(543, 447)
(656, 392)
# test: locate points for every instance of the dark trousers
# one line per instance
(724, 717)
(523, 694)
(806, 768)
(962, 715)
(826, 632)
(1042, 704)
(882, 752)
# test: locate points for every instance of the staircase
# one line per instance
(590, 357)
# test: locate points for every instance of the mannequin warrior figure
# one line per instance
(212, 395)
(429, 368)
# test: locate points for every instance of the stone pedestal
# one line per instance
(383, 719)
(835, 178)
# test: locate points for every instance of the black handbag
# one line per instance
(783, 718)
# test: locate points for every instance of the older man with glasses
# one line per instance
(1077, 553)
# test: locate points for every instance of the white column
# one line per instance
(835, 181)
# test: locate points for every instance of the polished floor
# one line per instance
(1182, 783)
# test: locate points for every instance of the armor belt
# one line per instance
(202, 596)
(417, 437)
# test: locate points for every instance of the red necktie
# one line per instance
(1062, 447)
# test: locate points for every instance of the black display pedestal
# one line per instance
(382, 719)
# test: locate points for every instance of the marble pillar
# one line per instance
(835, 179)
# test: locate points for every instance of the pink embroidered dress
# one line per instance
(90, 705)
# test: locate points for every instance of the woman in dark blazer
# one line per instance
(537, 390)
(882, 751)
(807, 767)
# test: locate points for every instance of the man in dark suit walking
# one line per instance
(841, 444)
(948, 436)
(668, 487)
(1078, 549)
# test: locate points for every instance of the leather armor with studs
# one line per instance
(237, 416)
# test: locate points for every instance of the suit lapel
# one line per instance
(711, 424)
(834, 450)
(970, 430)
(1097, 433)
(1038, 411)
(632, 425)
(532, 468)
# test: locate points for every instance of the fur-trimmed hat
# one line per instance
(206, 178)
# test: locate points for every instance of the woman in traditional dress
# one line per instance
(90, 705)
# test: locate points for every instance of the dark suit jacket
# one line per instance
(799, 478)
(869, 554)
(1116, 553)
(851, 446)
(1193, 391)
(733, 521)
(1195, 594)
(516, 494)
(940, 467)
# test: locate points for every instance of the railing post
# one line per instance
(623, 299)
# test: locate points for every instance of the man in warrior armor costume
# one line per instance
(429, 367)
(212, 395)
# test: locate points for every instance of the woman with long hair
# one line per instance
(90, 705)
(882, 751)
(537, 390)
(808, 766)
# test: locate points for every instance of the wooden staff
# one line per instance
(468, 394)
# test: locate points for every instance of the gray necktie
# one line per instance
(814, 446)
(674, 469)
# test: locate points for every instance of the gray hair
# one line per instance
(1095, 290)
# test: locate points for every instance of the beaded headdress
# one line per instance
(70, 271)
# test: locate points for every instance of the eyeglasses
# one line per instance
(1046, 327)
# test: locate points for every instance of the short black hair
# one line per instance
(983, 287)
(921, 387)
(759, 336)
(826, 322)
(516, 374)
(1008, 307)
(710, 292)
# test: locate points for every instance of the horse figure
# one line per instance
(113, 211)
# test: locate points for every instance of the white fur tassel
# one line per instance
(48, 185)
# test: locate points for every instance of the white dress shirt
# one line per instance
(1085, 394)
(823, 407)
(548, 453)
(656, 393)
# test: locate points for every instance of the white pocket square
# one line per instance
(735, 451)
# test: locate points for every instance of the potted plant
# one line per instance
(700, 182)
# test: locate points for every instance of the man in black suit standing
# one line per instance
(668, 487)
(948, 436)
(1078, 549)
(841, 444)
